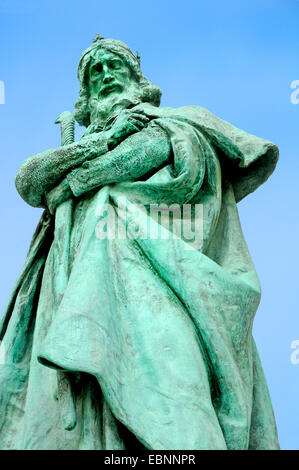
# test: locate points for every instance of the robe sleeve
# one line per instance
(41, 173)
(136, 157)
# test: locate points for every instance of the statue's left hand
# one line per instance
(62, 192)
(128, 122)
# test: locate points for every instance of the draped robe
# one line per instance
(153, 335)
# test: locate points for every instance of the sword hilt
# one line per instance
(67, 127)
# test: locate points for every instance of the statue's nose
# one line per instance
(107, 75)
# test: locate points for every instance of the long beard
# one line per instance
(104, 111)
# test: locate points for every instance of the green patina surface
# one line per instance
(137, 341)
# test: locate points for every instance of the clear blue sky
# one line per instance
(236, 58)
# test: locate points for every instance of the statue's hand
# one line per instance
(128, 122)
(62, 192)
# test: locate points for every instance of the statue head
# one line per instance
(110, 80)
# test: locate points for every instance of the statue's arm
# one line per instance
(40, 173)
(133, 158)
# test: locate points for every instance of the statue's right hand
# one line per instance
(128, 122)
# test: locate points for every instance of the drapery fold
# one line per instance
(162, 324)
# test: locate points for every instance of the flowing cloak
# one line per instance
(155, 333)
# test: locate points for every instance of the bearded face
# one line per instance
(108, 75)
(111, 84)
(110, 81)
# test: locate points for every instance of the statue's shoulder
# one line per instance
(196, 113)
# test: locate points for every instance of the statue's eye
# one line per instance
(98, 68)
(114, 64)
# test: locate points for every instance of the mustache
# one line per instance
(111, 86)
